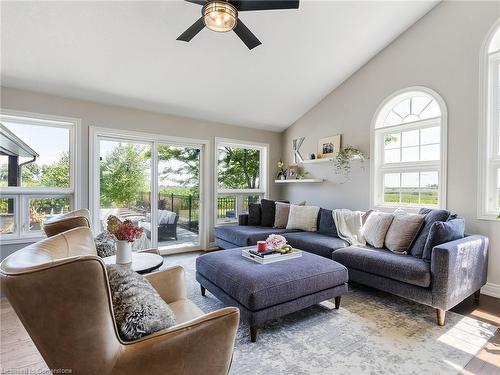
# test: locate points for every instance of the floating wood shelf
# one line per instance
(324, 160)
(301, 181)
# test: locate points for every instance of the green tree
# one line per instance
(238, 168)
(56, 174)
(123, 175)
(187, 173)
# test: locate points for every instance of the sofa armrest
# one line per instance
(169, 283)
(200, 346)
(458, 269)
(243, 219)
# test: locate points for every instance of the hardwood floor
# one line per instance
(18, 351)
(487, 361)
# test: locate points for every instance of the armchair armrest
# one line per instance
(201, 346)
(169, 283)
(243, 219)
(458, 269)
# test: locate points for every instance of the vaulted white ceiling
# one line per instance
(125, 53)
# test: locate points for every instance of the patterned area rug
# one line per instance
(372, 333)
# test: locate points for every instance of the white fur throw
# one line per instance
(138, 308)
(303, 218)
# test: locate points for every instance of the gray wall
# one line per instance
(441, 51)
(95, 114)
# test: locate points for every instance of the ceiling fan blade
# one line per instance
(191, 32)
(246, 35)
(199, 2)
(244, 5)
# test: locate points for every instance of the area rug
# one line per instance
(372, 333)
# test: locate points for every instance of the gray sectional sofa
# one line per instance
(451, 272)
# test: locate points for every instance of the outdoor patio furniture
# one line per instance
(167, 225)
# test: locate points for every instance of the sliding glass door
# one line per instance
(178, 214)
(125, 184)
(157, 184)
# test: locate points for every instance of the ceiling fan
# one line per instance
(222, 16)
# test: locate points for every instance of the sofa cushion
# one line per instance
(431, 216)
(268, 209)
(282, 213)
(403, 231)
(375, 228)
(138, 308)
(442, 232)
(257, 286)
(383, 262)
(326, 224)
(245, 235)
(303, 218)
(254, 214)
(319, 244)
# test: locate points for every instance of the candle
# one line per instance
(261, 246)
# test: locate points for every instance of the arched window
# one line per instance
(409, 150)
(489, 146)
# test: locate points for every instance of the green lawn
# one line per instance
(414, 197)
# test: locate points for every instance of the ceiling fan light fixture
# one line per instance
(220, 16)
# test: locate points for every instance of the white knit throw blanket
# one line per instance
(349, 226)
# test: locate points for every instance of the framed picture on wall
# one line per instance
(329, 147)
(292, 171)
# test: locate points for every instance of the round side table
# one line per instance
(141, 262)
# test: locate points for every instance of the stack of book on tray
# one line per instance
(268, 257)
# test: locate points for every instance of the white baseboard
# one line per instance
(491, 289)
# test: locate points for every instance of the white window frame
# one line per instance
(22, 195)
(96, 133)
(489, 130)
(377, 166)
(240, 193)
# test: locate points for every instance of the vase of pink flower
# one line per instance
(275, 241)
(126, 233)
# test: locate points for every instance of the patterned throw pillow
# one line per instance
(105, 244)
(376, 227)
(138, 308)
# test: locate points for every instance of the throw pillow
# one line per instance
(105, 244)
(403, 231)
(268, 212)
(431, 216)
(442, 232)
(376, 227)
(282, 212)
(138, 308)
(254, 214)
(303, 218)
(326, 224)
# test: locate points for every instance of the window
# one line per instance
(409, 150)
(241, 177)
(489, 149)
(38, 178)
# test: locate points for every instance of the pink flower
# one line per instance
(275, 241)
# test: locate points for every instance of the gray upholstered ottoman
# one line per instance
(268, 291)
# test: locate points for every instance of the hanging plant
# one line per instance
(342, 162)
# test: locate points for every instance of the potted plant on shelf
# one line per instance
(281, 171)
(126, 233)
(342, 162)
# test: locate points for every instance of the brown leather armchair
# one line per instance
(59, 289)
(70, 220)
